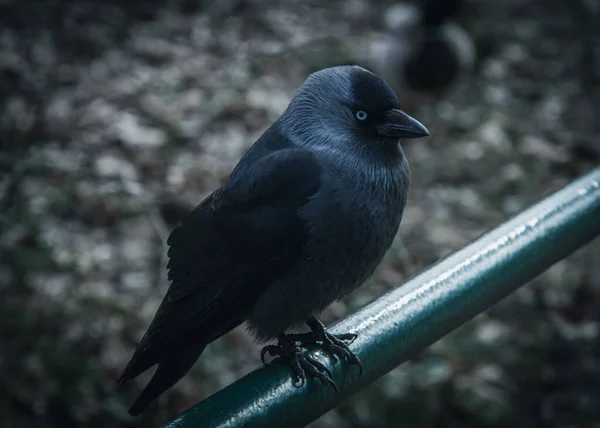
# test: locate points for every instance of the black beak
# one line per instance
(398, 124)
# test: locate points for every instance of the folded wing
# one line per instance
(225, 254)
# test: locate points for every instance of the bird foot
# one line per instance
(303, 365)
(335, 344)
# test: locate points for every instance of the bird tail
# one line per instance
(167, 374)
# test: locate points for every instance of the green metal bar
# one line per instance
(403, 322)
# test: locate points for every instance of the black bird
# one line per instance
(305, 217)
(426, 49)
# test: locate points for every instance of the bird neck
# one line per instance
(377, 167)
(381, 171)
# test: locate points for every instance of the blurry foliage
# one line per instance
(118, 117)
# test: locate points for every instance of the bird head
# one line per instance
(347, 106)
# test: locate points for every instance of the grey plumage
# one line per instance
(305, 217)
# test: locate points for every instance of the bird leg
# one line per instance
(303, 365)
(335, 344)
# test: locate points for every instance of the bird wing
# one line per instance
(228, 250)
(249, 224)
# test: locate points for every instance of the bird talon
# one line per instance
(303, 366)
(335, 344)
(318, 365)
(298, 381)
(270, 349)
(299, 378)
(347, 337)
(331, 383)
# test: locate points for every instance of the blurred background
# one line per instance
(116, 118)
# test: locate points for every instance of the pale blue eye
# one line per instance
(361, 115)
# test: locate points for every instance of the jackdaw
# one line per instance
(426, 50)
(305, 217)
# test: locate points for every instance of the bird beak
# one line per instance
(398, 124)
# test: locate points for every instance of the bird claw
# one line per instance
(346, 337)
(303, 365)
(335, 344)
(269, 349)
(290, 347)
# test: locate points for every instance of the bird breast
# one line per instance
(354, 223)
(351, 223)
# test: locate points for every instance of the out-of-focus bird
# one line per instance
(305, 217)
(425, 48)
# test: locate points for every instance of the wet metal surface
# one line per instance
(401, 323)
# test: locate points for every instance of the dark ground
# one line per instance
(117, 119)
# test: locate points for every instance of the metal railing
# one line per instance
(409, 318)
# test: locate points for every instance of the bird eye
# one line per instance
(361, 115)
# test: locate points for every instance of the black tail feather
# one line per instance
(167, 374)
